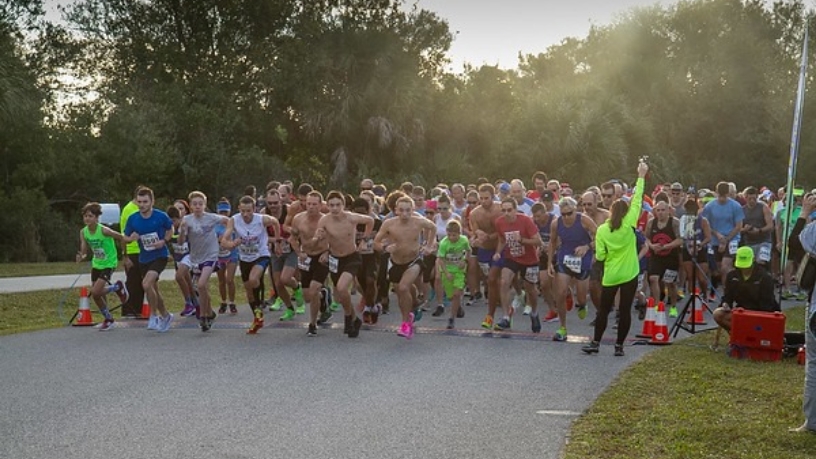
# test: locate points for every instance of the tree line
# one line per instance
(218, 94)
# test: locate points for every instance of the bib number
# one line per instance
(249, 247)
(573, 263)
(149, 240)
(531, 275)
(669, 276)
(305, 263)
(485, 267)
(733, 245)
(99, 254)
(333, 264)
(285, 246)
(765, 253)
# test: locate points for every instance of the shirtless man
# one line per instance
(309, 250)
(339, 229)
(589, 203)
(402, 234)
(485, 238)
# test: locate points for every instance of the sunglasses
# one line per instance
(567, 214)
(442, 209)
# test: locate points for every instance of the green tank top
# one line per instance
(103, 248)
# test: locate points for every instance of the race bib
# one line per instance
(148, 241)
(224, 253)
(249, 246)
(333, 264)
(180, 249)
(285, 246)
(733, 245)
(669, 276)
(485, 267)
(99, 254)
(514, 246)
(765, 253)
(711, 250)
(531, 275)
(573, 263)
(305, 263)
(368, 246)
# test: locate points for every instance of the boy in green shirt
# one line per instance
(451, 264)
(100, 240)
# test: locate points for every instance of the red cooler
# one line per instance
(757, 335)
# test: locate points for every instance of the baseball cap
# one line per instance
(379, 190)
(676, 186)
(223, 207)
(798, 191)
(430, 204)
(504, 188)
(744, 258)
(547, 195)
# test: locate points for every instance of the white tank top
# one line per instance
(442, 226)
(253, 236)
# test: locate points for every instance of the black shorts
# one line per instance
(659, 265)
(316, 272)
(528, 273)
(105, 274)
(247, 266)
(429, 262)
(597, 271)
(156, 265)
(395, 271)
(543, 261)
(349, 264)
(702, 255)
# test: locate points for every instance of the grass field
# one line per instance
(683, 401)
(42, 269)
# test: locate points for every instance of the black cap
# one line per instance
(547, 195)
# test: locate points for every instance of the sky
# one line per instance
(494, 32)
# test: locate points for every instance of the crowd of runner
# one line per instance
(518, 250)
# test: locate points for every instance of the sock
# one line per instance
(188, 300)
(112, 288)
(106, 313)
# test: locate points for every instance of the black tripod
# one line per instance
(690, 241)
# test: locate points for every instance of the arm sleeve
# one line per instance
(635, 205)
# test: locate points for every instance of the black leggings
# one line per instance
(627, 295)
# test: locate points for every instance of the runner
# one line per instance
(284, 263)
(664, 241)
(227, 263)
(451, 261)
(153, 229)
(367, 274)
(252, 241)
(101, 241)
(338, 228)
(313, 273)
(485, 237)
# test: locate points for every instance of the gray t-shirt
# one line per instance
(202, 238)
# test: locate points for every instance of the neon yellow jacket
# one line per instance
(618, 249)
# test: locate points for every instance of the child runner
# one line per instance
(100, 239)
(451, 259)
(227, 264)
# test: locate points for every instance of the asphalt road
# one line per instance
(131, 393)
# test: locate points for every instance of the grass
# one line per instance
(42, 269)
(687, 401)
(683, 401)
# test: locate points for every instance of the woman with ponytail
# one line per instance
(616, 247)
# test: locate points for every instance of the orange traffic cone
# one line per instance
(145, 309)
(698, 303)
(83, 316)
(661, 328)
(648, 323)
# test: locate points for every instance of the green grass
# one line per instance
(23, 312)
(42, 269)
(686, 401)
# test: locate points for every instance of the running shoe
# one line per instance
(375, 313)
(335, 306)
(223, 308)
(561, 334)
(355, 327)
(347, 324)
(801, 296)
(450, 324)
(460, 313)
(300, 310)
(619, 350)
(106, 325)
(518, 301)
(592, 348)
(503, 324)
(153, 322)
(121, 291)
(325, 316)
(680, 293)
(528, 310)
(672, 311)
(257, 323)
(277, 305)
(164, 323)
(438, 311)
(582, 312)
(189, 310)
(478, 296)
(551, 316)
(417, 314)
(570, 300)
(206, 322)
(312, 330)
(535, 323)
(407, 328)
(487, 322)
(641, 309)
(233, 309)
(288, 314)
(298, 297)
(367, 316)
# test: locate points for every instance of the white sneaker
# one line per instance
(518, 301)
(153, 322)
(527, 310)
(164, 323)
